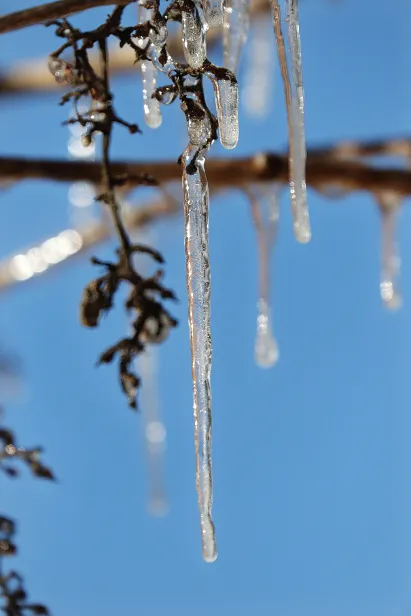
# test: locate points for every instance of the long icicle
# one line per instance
(196, 203)
(265, 213)
(154, 429)
(294, 97)
(236, 24)
(390, 261)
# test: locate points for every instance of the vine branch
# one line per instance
(325, 169)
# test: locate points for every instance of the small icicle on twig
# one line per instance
(152, 112)
(236, 25)
(265, 213)
(226, 100)
(260, 71)
(294, 96)
(389, 203)
(214, 12)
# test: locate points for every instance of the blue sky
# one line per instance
(311, 459)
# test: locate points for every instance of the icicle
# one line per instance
(226, 101)
(260, 72)
(236, 23)
(295, 111)
(214, 12)
(196, 202)
(390, 261)
(265, 213)
(153, 426)
(298, 185)
(152, 112)
(194, 36)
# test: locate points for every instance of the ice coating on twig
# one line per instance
(294, 96)
(260, 70)
(214, 12)
(196, 203)
(226, 101)
(265, 214)
(298, 183)
(152, 112)
(198, 123)
(236, 24)
(194, 36)
(390, 260)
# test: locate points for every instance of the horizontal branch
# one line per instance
(52, 10)
(323, 172)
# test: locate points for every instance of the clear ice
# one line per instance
(196, 204)
(152, 112)
(226, 101)
(236, 24)
(265, 213)
(194, 36)
(294, 95)
(390, 260)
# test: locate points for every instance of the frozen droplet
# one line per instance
(266, 348)
(166, 94)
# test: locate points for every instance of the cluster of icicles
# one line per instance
(197, 16)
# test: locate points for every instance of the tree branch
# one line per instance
(50, 11)
(324, 171)
(33, 76)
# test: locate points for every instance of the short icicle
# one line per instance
(390, 261)
(214, 12)
(294, 95)
(194, 35)
(236, 24)
(226, 102)
(152, 112)
(265, 213)
(196, 203)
